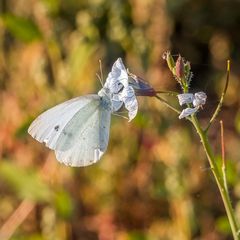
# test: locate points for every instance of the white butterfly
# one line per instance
(78, 129)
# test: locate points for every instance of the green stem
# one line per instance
(170, 93)
(217, 110)
(168, 104)
(218, 177)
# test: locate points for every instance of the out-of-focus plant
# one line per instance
(181, 71)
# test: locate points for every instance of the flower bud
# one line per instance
(187, 67)
(170, 61)
(140, 87)
(180, 67)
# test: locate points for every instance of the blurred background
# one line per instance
(154, 181)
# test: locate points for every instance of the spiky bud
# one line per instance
(170, 61)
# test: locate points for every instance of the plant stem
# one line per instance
(218, 177)
(223, 157)
(217, 110)
(167, 104)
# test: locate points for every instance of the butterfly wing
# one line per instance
(90, 141)
(47, 127)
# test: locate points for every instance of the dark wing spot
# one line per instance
(56, 128)
(67, 133)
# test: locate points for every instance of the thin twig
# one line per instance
(223, 157)
(221, 99)
(170, 93)
(26, 206)
(16, 219)
(168, 104)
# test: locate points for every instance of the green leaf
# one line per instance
(34, 236)
(21, 28)
(223, 225)
(237, 121)
(21, 132)
(135, 235)
(25, 182)
(231, 171)
(52, 5)
(63, 204)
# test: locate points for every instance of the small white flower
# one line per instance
(187, 112)
(120, 90)
(130, 101)
(185, 98)
(199, 99)
(117, 78)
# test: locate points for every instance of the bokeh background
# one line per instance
(154, 181)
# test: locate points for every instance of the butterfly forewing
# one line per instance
(91, 142)
(48, 126)
(78, 129)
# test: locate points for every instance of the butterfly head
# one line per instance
(104, 92)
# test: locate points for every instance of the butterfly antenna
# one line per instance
(99, 78)
(101, 72)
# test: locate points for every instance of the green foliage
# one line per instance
(21, 132)
(223, 225)
(25, 182)
(136, 236)
(21, 28)
(31, 237)
(237, 122)
(63, 204)
(231, 171)
(52, 5)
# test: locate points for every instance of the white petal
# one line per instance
(113, 84)
(130, 101)
(185, 98)
(116, 105)
(132, 115)
(117, 78)
(132, 107)
(199, 99)
(127, 92)
(187, 111)
(119, 72)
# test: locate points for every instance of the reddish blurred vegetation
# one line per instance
(154, 181)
